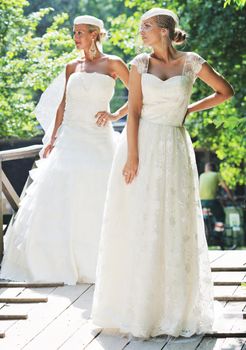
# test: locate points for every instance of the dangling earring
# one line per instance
(93, 50)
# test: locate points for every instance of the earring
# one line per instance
(93, 50)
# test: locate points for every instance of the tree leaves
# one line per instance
(28, 64)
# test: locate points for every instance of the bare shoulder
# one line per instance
(71, 66)
(114, 58)
(115, 61)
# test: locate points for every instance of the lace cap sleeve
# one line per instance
(197, 62)
(141, 62)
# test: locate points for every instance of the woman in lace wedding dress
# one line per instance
(55, 235)
(153, 273)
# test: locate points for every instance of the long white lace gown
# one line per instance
(153, 273)
(55, 235)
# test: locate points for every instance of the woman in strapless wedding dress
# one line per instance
(153, 272)
(55, 234)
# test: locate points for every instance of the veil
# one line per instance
(48, 104)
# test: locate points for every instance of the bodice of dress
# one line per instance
(165, 101)
(87, 94)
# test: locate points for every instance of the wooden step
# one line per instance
(229, 298)
(13, 317)
(29, 285)
(17, 300)
(226, 335)
(2, 334)
(229, 283)
(228, 268)
(234, 315)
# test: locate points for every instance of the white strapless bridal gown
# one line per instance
(55, 234)
(153, 272)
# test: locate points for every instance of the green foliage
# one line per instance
(25, 59)
(237, 3)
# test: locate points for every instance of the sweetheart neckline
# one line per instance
(175, 76)
(163, 81)
(105, 75)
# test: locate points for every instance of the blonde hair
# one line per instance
(100, 35)
(176, 35)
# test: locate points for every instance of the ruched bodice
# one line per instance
(87, 94)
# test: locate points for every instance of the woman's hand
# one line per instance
(103, 117)
(48, 148)
(130, 169)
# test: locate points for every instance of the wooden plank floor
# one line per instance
(63, 321)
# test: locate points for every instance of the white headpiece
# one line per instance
(158, 12)
(90, 20)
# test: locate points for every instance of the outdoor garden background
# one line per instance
(36, 43)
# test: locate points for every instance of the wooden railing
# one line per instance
(5, 185)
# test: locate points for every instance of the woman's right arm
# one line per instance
(59, 114)
(134, 107)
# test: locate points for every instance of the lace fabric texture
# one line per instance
(192, 66)
(153, 274)
(55, 234)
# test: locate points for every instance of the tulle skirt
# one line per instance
(55, 234)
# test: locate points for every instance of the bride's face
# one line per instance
(82, 36)
(150, 33)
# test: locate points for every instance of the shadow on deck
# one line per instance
(55, 316)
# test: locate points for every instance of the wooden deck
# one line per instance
(58, 316)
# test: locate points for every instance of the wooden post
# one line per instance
(5, 185)
(10, 193)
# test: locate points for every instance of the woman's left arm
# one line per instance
(222, 89)
(121, 71)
